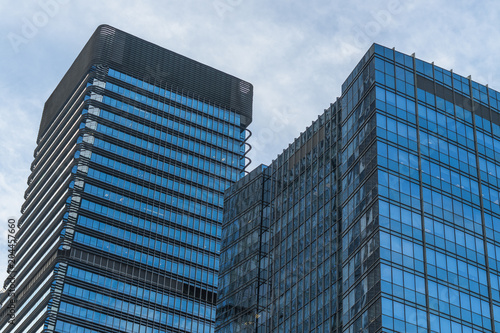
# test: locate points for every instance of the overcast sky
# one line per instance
(295, 53)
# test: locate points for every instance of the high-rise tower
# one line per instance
(121, 225)
(383, 216)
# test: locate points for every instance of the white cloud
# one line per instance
(296, 54)
(18, 130)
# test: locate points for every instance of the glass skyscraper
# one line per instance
(383, 216)
(121, 226)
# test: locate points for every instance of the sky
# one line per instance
(296, 54)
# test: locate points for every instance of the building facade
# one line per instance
(121, 226)
(383, 216)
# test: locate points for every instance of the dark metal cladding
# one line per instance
(108, 47)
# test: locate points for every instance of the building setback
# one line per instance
(121, 225)
(383, 216)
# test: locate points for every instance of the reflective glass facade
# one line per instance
(279, 253)
(438, 199)
(121, 227)
(410, 240)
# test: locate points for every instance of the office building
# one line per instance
(383, 216)
(121, 225)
